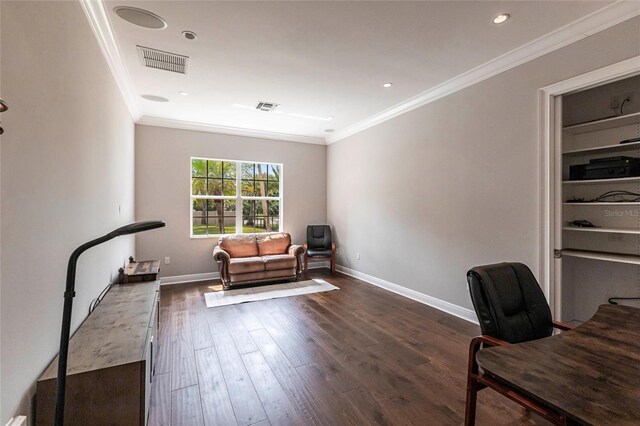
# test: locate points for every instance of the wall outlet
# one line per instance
(167, 260)
(358, 255)
(616, 237)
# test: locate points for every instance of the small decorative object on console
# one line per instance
(135, 272)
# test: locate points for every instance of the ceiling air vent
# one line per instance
(266, 106)
(152, 58)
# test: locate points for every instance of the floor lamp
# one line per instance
(70, 293)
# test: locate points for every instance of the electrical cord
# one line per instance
(627, 99)
(609, 194)
(618, 193)
(95, 302)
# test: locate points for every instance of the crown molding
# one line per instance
(99, 21)
(236, 131)
(597, 21)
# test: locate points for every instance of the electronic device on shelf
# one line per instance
(582, 224)
(606, 168)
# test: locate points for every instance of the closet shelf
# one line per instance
(595, 203)
(602, 181)
(601, 255)
(607, 123)
(602, 229)
(602, 149)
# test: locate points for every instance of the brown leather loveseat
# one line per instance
(256, 258)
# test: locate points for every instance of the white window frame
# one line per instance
(239, 198)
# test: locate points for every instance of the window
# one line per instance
(235, 197)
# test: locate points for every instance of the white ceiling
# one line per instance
(320, 58)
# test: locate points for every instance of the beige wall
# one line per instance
(454, 184)
(162, 189)
(67, 177)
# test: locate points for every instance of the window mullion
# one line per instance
(239, 228)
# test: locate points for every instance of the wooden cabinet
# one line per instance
(111, 362)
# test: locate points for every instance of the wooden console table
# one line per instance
(111, 360)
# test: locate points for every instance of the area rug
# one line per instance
(264, 292)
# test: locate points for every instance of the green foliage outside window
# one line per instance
(216, 182)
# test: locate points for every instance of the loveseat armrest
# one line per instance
(298, 251)
(223, 259)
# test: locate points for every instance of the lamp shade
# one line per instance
(133, 228)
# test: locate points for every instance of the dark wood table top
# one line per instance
(591, 374)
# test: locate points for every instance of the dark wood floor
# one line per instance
(357, 356)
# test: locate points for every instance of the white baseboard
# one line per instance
(206, 276)
(450, 308)
(180, 279)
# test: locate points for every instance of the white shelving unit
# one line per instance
(604, 124)
(602, 181)
(604, 256)
(603, 261)
(633, 231)
(603, 149)
(598, 203)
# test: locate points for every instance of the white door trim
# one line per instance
(550, 167)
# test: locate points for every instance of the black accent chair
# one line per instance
(319, 246)
(511, 308)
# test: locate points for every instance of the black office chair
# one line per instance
(511, 308)
(319, 246)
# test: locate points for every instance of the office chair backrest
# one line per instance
(509, 302)
(319, 237)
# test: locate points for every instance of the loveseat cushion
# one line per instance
(261, 276)
(243, 265)
(279, 261)
(239, 245)
(269, 244)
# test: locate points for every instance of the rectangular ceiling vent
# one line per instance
(266, 106)
(153, 58)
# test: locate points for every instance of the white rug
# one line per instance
(264, 292)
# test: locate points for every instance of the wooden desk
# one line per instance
(110, 363)
(590, 374)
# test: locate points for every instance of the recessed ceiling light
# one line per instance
(501, 18)
(330, 117)
(329, 130)
(140, 17)
(184, 93)
(189, 35)
(387, 85)
(155, 98)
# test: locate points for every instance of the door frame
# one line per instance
(550, 134)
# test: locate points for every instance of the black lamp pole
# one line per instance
(70, 293)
